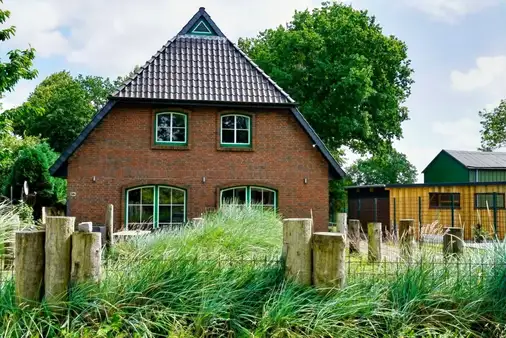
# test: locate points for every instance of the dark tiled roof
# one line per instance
(203, 68)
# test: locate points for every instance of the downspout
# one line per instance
(477, 177)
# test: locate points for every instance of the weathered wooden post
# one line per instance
(43, 217)
(29, 266)
(329, 259)
(59, 230)
(374, 242)
(86, 255)
(354, 235)
(407, 238)
(297, 249)
(109, 224)
(453, 241)
(341, 223)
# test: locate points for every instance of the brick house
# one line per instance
(199, 124)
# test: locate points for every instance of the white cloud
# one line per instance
(452, 10)
(15, 98)
(488, 71)
(462, 134)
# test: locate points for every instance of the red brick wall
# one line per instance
(120, 154)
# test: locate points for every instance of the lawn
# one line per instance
(225, 279)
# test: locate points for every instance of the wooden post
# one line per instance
(297, 249)
(328, 259)
(354, 235)
(406, 238)
(374, 242)
(29, 266)
(59, 230)
(453, 241)
(86, 257)
(341, 223)
(109, 224)
(43, 217)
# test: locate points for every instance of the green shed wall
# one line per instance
(487, 175)
(445, 169)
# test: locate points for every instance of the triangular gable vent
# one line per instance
(201, 28)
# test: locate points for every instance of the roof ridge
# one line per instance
(271, 81)
(143, 67)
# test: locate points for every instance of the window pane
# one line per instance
(242, 136)
(269, 197)
(178, 120)
(178, 135)
(256, 196)
(240, 195)
(164, 195)
(177, 196)
(134, 196)
(147, 214)
(242, 122)
(500, 200)
(147, 195)
(227, 122)
(177, 214)
(164, 214)
(134, 214)
(227, 136)
(163, 121)
(163, 134)
(227, 196)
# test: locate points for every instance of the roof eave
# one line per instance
(203, 102)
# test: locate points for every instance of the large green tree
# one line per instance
(493, 127)
(20, 64)
(350, 79)
(387, 168)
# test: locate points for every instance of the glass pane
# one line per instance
(164, 195)
(147, 195)
(134, 214)
(163, 134)
(177, 214)
(227, 136)
(256, 196)
(147, 214)
(164, 214)
(242, 136)
(177, 196)
(240, 195)
(163, 121)
(178, 120)
(227, 196)
(178, 135)
(242, 122)
(134, 196)
(227, 122)
(500, 200)
(269, 197)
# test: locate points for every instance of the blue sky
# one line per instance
(457, 48)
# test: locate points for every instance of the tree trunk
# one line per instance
(58, 245)
(29, 266)
(297, 249)
(86, 257)
(329, 259)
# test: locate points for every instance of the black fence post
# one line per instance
(420, 216)
(358, 207)
(375, 210)
(395, 218)
(494, 202)
(453, 209)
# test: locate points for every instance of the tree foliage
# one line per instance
(349, 78)
(493, 127)
(20, 62)
(387, 168)
(32, 165)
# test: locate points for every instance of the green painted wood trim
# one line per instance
(236, 145)
(170, 143)
(248, 193)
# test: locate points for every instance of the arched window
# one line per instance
(154, 206)
(250, 196)
(235, 130)
(171, 128)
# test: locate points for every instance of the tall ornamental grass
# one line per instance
(189, 283)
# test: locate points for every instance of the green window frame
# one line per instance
(154, 206)
(443, 200)
(233, 128)
(169, 127)
(263, 197)
(486, 200)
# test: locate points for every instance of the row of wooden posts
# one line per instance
(47, 262)
(319, 258)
